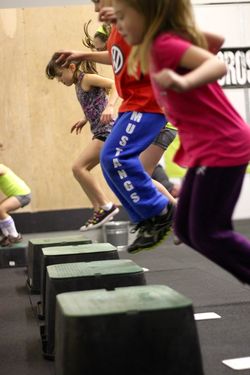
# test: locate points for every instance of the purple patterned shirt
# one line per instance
(93, 103)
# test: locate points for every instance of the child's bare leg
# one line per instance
(8, 205)
(164, 191)
(87, 160)
(104, 210)
(150, 158)
(7, 224)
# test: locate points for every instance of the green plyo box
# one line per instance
(69, 254)
(142, 330)
(108, 274)
(34, 256)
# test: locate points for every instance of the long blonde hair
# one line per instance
(162, 16)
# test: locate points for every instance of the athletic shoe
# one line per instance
(17, 239)
(10, 240)
(5, 241)
(152, 231)
(88, 222)
(99, 218)
(140, 240)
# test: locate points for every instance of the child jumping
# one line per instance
(18, 194)
(214, 138)
(167, 135)
(138, 125)
(91, 91)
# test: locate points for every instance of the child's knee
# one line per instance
(75, 169)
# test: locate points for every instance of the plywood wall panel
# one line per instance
(37, 113)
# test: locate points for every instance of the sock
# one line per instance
(3, 225)
(107, 206)
(8, 227)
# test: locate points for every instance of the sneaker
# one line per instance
(10, 240)
(88, 222)
(140, 240)
(17, 239)
(152, 231)
(100, 217)
(4, 241)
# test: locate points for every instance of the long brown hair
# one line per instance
(53, 67)
(163, 16)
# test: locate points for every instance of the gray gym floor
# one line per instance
(209, 287)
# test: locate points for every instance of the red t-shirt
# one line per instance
(137, 94)
(211, 131)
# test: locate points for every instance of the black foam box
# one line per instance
(14, 255)
(107, 274)
(34, 256)
(142, 330)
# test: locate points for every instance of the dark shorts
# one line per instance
(165, 138)
(101, 137)
(23, 199)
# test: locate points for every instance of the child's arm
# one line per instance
(107, 14)
(204, 68)
(94, 80)
(214, 41)
(65, 57)
(108, 113)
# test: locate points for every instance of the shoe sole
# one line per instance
(11, 241)
(5, 245)
(107, 218)
(148, 248)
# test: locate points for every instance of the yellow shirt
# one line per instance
(12, 185)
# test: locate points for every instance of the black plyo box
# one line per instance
(14, 255)
(34, 256)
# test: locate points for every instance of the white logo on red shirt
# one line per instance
(117, 59)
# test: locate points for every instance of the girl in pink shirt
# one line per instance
(215, 140)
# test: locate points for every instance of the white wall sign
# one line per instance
(238, 63)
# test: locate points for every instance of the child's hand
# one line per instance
(107, 14)
(78, 126)
(168, 79)
(65, 57)
(107, 115)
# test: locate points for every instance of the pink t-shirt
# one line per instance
(211, 131)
